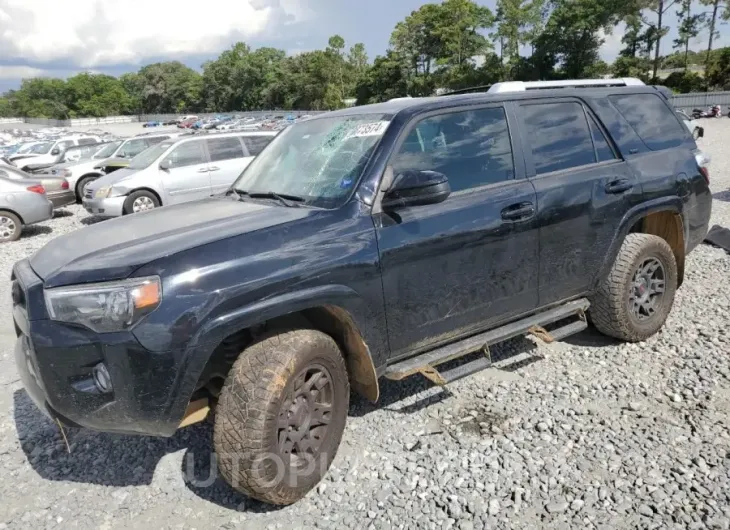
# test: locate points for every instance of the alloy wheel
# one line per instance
(647, 289)
(141, 204)
(305, 416)
(7, 228)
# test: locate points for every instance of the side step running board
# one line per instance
(425, 363)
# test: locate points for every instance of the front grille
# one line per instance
(88, 194)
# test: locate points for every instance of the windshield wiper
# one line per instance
(290, 201)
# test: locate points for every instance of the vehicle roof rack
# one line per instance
(521, 86)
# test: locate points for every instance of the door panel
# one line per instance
(583, 191)
(454, 268)
(188, 178)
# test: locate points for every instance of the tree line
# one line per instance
(440, 47)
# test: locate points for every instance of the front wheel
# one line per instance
(281, 415)
(81, 187)
(634, 300)
(140, 201)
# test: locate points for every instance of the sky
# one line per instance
(54, 38)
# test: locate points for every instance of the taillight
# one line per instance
(37, 189)
(64, 184)
(703, 162)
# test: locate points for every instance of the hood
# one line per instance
(114, 249)
(115, 161)
(112, 178)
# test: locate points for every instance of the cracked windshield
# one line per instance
(319, 161)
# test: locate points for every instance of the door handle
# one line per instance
(519, 212)
(619, 186)
(213, 168)
(203, 170)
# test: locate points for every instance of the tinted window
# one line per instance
(133, 148)
(256, 144)
(559, 136)
(603, 149)
(472, 148)
(63, 145)
(187, 154)
(224, 149)
(86, 141)
(652, 119)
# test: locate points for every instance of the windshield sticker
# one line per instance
(375, 128)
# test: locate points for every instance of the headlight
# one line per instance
(105, 307)
(103, 192)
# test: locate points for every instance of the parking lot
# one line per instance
(588, 432)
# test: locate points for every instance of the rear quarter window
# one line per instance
(652, 119)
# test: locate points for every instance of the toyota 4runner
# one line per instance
(376, 241)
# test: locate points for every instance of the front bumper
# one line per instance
(55, 362)
(109, 207)
(62, 198)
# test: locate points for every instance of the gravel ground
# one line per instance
(585, 433)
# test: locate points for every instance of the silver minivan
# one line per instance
(174, 171)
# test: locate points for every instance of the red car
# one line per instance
(187, 124)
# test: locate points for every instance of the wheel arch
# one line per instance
(660, 217)
(16, 214)
(77, 187)
(150, 190)
(328, 308)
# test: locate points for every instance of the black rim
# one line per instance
(305, 415)
(647, 289)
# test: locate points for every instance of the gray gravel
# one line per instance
(585, 433)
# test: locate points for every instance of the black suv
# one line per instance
(376, 241)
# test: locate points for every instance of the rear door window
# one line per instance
(651, 118)
(256, 144)
(224, 149)
(559, 136)
(86, 141)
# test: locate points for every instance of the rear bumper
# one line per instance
(62, 198)
(109, 207)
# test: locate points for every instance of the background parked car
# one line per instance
(57, 188)
(175, 171)
(22, 203)
(47, 152)
(692, 125)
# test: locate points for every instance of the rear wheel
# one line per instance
(140, 201)
(634, 300)
(10, 227)
(281, 415)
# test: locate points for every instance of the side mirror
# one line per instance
(165, 165)
(416, 188)
(56, 151)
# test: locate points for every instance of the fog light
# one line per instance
(102, 379)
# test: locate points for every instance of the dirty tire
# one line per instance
(259, 385)
(609, 310)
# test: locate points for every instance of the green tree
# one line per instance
(659, 8)
(720, 9)
(718, 70)
(519, 22)
(688, 29)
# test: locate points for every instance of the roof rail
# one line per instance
(521, 86)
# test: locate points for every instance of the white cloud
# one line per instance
(98, 32)
(20, 72)
(612, 43)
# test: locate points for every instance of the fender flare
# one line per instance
(336, 298)
(664, 204)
